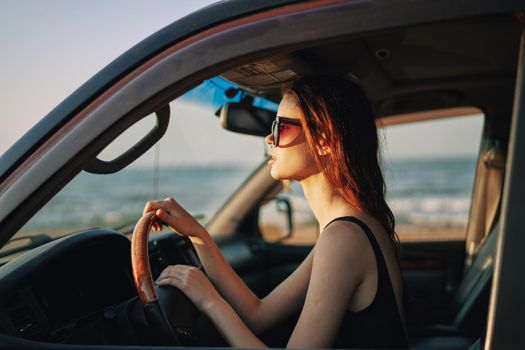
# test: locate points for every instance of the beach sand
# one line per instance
(308, 234)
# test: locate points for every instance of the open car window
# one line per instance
(196, 162)
(429, 169)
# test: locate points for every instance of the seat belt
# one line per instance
(491, 170)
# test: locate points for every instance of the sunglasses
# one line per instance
(285, 130)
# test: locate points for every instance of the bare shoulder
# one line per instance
(341, 232)
(344, 242)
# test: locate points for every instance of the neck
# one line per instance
(325, 202)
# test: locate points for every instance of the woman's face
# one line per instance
(291, 159)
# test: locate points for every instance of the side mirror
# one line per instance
(246, 119)
(284, 207)
(276, 219)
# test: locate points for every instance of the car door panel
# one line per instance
(432, 272)
(262, 265)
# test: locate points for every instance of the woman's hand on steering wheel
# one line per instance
(171, 213)
(192, 282)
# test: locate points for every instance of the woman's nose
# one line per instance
(269, 139)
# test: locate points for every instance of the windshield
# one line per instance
(197, 162)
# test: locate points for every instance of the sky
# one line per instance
(49, 48)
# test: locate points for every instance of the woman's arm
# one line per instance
(338, 268)
(258, 314)
(340, 263)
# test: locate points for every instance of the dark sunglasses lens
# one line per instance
(288, 133)
(275, 133)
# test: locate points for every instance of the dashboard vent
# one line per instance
(24, 318)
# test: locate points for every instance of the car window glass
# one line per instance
(429, 170)
(196, 162)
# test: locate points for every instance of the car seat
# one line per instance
(464, 320)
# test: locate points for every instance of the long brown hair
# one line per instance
(337, 111)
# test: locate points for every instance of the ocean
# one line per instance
(430, 193)
(426, 193)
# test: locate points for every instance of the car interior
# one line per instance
(410, 74)
(388, 65)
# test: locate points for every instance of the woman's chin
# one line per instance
(279, 175)
(276, 174)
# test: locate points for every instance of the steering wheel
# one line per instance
(170, 313)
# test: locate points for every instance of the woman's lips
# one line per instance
(272, 160)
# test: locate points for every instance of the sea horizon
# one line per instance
(423, 193)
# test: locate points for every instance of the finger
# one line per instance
(165, 218)
(169, 282)
(163, 215)
(164, 273)
(156, 223)
(147, 207)
(171, 271)
(171, 202)
(183, 267)
(152, 205)
(156, 226)
(185, 273)
(172, 275)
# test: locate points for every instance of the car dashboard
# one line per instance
(71, 290)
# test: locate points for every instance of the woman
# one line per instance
(348, 290)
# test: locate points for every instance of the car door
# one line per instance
(430, 197)
(157, 71)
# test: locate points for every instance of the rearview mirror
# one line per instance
(246, 119)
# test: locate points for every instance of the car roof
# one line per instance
(461, 62)
(402, 11)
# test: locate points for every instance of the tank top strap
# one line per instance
(380, 259)
(379, 325)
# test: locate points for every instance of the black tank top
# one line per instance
(379, 325)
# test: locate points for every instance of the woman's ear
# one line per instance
(322, 148)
